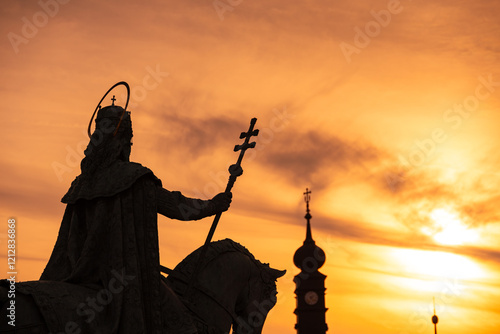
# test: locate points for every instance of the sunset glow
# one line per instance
(388, 111)
(437, 265)
(449, 229)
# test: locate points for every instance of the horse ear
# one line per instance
(275, 273)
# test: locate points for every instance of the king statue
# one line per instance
(104, 272)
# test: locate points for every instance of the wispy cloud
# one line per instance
(316, 158)
(197, 137)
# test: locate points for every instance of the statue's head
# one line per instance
(114, 123)
(111, 139)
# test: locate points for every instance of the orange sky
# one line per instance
(395, 130)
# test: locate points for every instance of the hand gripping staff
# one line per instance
(234, 171)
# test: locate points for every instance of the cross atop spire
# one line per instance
(113, 99)
(307, 198)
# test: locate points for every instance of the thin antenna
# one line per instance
(434, 317)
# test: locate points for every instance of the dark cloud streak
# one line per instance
(316, 159)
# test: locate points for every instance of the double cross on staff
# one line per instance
(234, 171)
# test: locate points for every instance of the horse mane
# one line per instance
(186, 267)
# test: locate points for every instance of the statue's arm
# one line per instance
(174, 205)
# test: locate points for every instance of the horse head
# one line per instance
(233, 289)
(256, 300)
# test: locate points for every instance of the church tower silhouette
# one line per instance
(310, 283)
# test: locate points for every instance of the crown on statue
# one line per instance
(115, 115)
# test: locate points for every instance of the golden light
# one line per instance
(429, 270)
(449, 229)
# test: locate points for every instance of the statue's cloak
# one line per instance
(103, 274)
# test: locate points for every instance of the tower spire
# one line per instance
(307, 198)
(309, 251)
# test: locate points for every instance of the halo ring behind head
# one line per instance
(99, 104)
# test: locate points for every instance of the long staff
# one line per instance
(234, 171)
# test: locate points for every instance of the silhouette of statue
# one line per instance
(104, 272)
(108, 241)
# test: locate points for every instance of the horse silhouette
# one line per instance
(232, 290)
